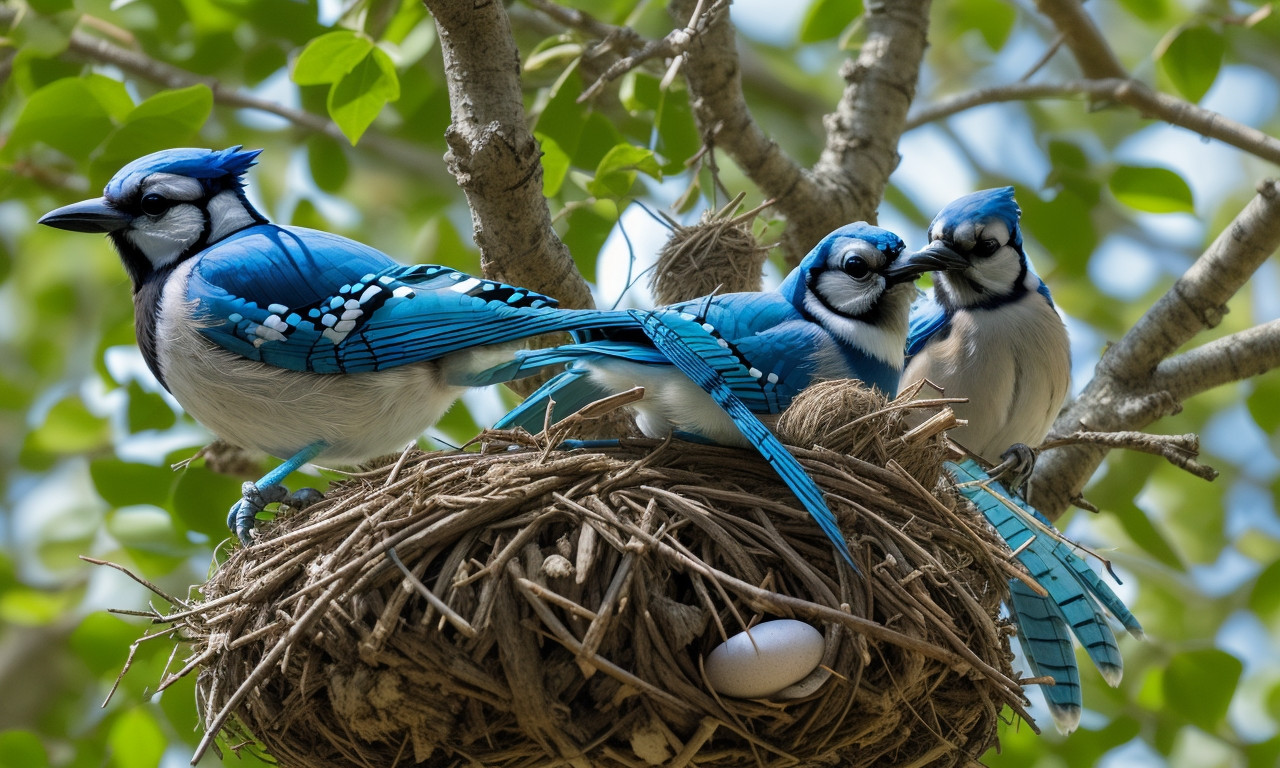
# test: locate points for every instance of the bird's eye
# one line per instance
(154, 204)
(986, 246)
(856, 268)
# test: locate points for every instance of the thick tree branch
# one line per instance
(1131, 93)
(1092, 53)
(1198, 299)
(1134, 384)
(1232, 358)
(494, 156)
(862, 134)
(88, 47)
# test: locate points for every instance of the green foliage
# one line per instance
(360, 76)
(1191, 59)
(1198, 685)
(1154, 190)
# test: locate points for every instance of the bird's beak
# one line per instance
(87, 216)
(934, 257)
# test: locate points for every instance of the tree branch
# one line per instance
(1232, 358)
(862, 135)
(138, 64)
(1092, 53)
(672, 45)
(849, 179)
(494, 156)
(1131, 93)
(1132, 387)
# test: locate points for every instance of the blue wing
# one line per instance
(571, 390)
(928, 318)
(312, 301)
(716, 369)
(1076, 595)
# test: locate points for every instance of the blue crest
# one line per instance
(195, 163)
(997, 203)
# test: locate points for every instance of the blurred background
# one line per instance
(1115, 208)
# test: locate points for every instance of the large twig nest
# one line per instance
(530, 607)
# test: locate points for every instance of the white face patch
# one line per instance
(163, 239)
(843, 292)
(227, 214)
(987, 276)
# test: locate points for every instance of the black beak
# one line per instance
(935, 257)
(87, 216)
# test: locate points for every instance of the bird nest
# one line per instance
(522, 606)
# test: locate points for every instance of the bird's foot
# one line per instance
(1015, 468)
(254, 498)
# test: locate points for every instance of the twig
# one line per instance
(1131, 93)
(1178, 450)
(672, 46)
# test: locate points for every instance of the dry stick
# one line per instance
(170, 598)
(456, 620)
(263, 667)
(1178, 450)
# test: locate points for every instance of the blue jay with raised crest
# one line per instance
(989, 332)
(294, 342)
(712, 366)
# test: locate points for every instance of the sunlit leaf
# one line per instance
(1264, 598)
(136, 740)
(328, 58)
(32, 607)
(69, 427)
(1154, 190)
(66, 115)
(123, 484)
(617, 170)
(1147, 10)
(1199, 685)
(994, 19)
(1191, 60)
(826, 19)
(22, 749)
(357, 98)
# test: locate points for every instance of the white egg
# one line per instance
(783, 652)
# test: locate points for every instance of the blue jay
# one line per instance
(989, 332)
(711, 366)
(297, 343)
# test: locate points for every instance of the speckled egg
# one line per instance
(783, 652)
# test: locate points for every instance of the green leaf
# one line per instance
(1199, 685)
(69, 427)
(328, 58)
(22, 749)
(123, 484)
(555, 164)
(1264, 403)
(66, 115)
(136, 740)
(1264, 598)
(589, 227)
(1192, 59)
(356, 99)
(33, 607)
(102, 640)
(328, 162)
(148, 410)
(1147, 10)
(994, 19)
(617, 170)
(826, 19)
(1154, 190)
(1064, 225)
(166, 119)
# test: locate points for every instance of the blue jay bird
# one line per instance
(711, 366)
(989, 332)
(297, 343)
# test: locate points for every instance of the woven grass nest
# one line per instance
(522, 606)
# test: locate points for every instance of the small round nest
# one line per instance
(523, 606)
